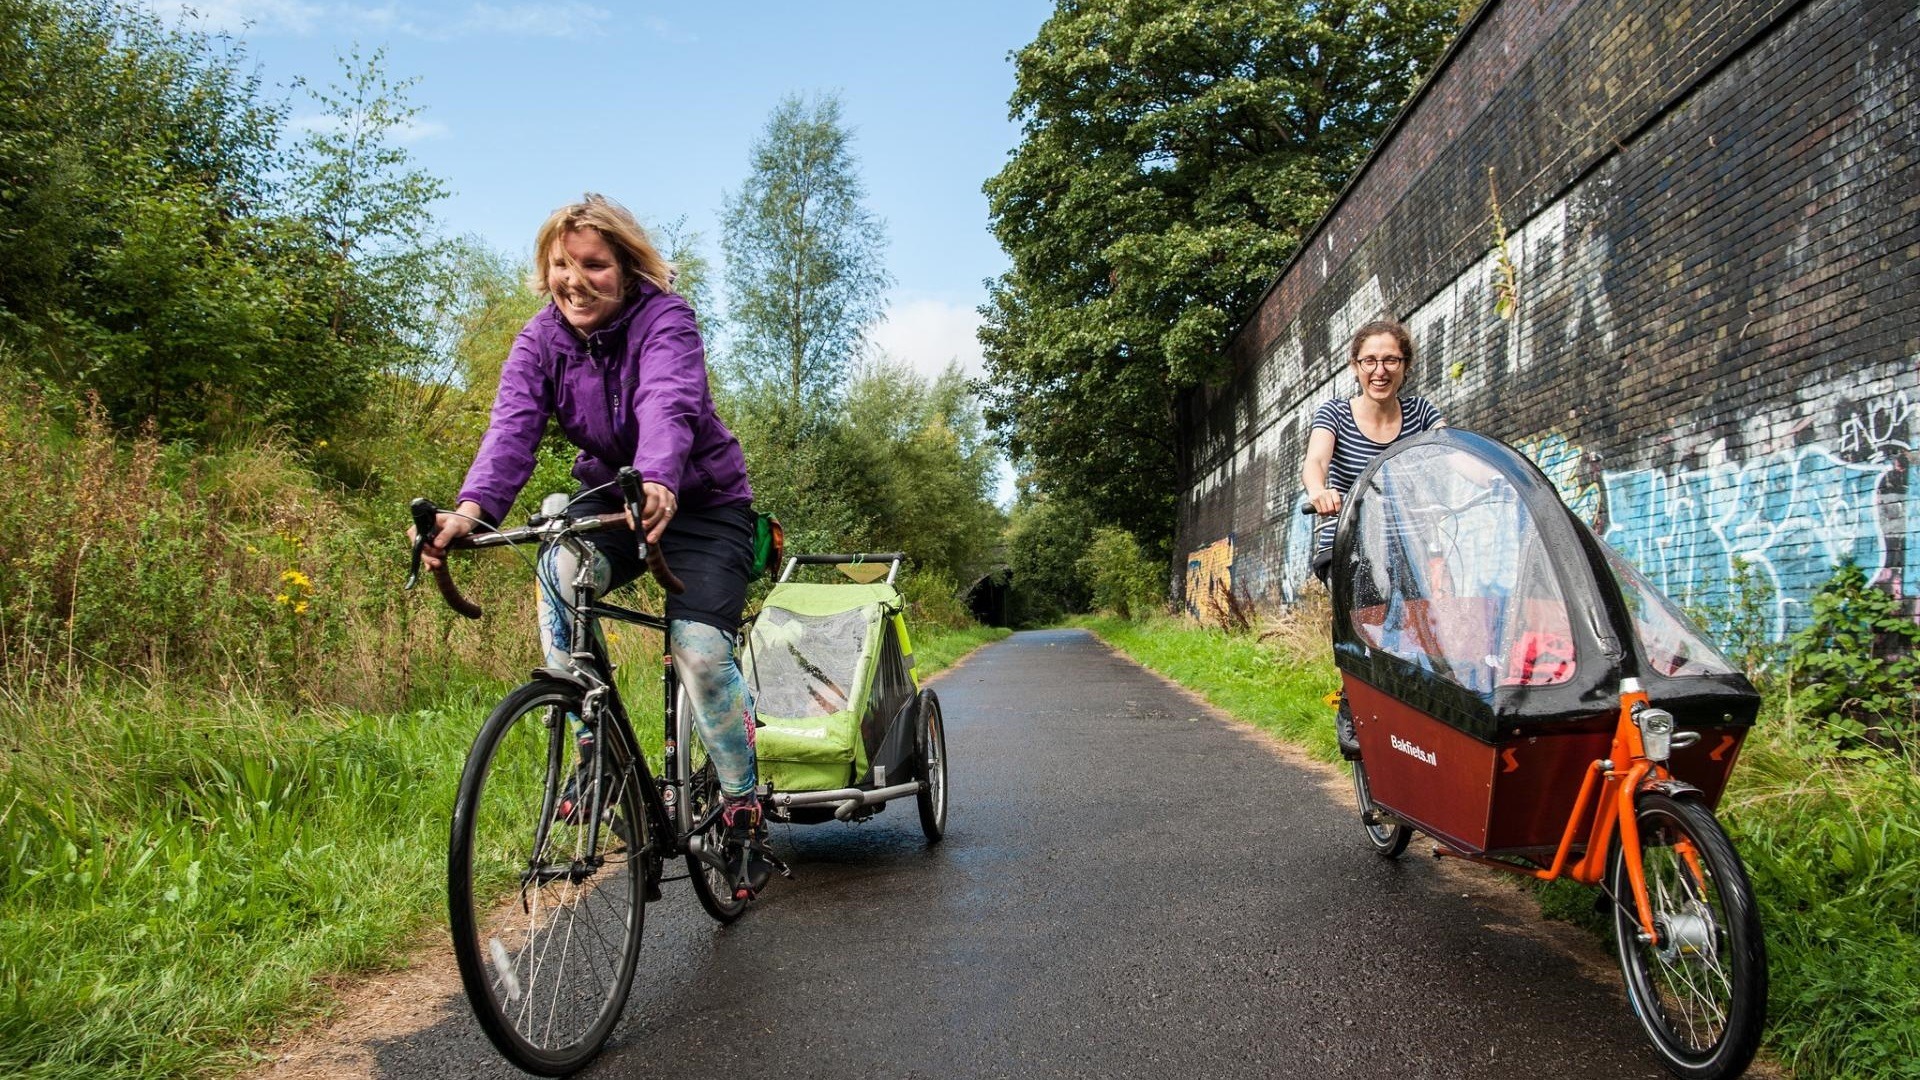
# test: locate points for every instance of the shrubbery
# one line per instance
(1858, 663)
(1121, 578)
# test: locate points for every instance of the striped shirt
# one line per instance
(1353, 451)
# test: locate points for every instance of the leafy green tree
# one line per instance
(1046, 539)
(161, 249)
(693, 277)
(903, 465)
(1174, 152)
(134, 164)
(382, 280)
(805, 276)
(1120, 577)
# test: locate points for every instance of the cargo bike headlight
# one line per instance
(1656, 732)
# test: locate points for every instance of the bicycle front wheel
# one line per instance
(1700, 989)
(546, 908)
(1388, 836)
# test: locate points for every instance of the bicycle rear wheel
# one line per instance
(1701, 989)
(546, 915)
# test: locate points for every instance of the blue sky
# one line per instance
(526, 105)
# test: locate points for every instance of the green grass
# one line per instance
(1831, 842)
(182, 877)
(1235, 673)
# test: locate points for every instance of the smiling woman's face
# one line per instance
(1380, 367)
(590, 290)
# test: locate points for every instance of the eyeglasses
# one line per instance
(1381, 363)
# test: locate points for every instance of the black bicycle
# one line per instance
(561, 833)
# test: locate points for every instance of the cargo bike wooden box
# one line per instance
(1527, 698)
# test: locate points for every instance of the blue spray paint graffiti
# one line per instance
(1562, 462)
(1792, 516)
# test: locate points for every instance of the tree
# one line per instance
(133, 165)
(161, 249)
(1173, 154)
(804, 269)
(904, 466)
(382, 280)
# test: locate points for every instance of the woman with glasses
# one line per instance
(1348, 433)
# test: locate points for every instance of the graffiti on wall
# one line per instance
(1790, 515)
(1209, 575)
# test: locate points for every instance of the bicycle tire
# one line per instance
(931, 764)
(711, 885)
(1388, 837)
(1700, 991)
(547, 963)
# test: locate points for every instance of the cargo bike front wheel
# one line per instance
(1699, 988)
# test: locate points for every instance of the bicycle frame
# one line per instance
(666, 797)
(1607, 793)
(591, 669)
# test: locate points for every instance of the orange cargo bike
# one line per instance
(1527, 698)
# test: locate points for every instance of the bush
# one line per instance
(1045, 542)
(232, 571)
(1857, 663)
(1120, 577)
(933, 601)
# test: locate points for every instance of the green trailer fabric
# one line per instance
(810, 661)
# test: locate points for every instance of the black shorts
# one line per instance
(709, 548)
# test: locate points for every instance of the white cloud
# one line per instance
(565, 18)
(926, 333)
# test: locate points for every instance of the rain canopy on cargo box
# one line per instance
(1463, 586)
(812, 662)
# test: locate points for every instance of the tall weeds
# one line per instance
(232, 571)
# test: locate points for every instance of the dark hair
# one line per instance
(1382, 326)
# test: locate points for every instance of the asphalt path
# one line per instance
(1130, 887)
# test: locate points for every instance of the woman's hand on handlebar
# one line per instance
(1326, 503)
(452, 526)
(659, 509)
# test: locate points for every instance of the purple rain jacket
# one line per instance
(633, 392)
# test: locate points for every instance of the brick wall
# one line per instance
(1712, 215)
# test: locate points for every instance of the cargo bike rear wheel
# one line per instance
(1388, 835)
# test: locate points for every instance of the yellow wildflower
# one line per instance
(296, 579)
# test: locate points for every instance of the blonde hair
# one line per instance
(639, 259)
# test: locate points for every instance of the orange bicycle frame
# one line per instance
(1607, 791)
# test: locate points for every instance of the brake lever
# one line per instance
(426, 519)
(630, 480)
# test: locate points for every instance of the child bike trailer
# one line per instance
(846, 727)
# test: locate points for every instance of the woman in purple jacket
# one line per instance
(616, 359)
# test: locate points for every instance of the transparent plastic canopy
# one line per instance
(1462, 583)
